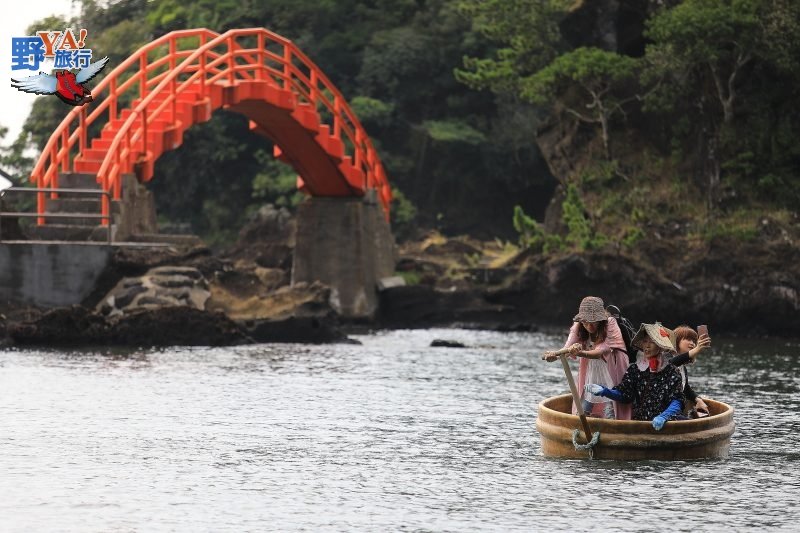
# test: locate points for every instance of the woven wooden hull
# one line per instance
(628, 440)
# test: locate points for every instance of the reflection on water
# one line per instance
(389, 435)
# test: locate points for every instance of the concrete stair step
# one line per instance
(62, 218)
(167, 238)
(78, 180)
(73, 205)
(60, 232)
(73, 219)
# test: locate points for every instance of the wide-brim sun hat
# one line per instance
(662, 336)
(592, 309)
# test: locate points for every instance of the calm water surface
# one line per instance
(390, 435)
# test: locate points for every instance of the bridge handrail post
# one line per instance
(82, 140)
(287, 66)
(143, 75)
(231, 61)
(203, 41)
(261, 56)
(65, 153)
(112, 108)
(40, 191)
(172, 52)
(337, 117)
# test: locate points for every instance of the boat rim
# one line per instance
(726, 411)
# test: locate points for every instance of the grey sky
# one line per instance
(15, 105)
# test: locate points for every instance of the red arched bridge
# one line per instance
(178, 80)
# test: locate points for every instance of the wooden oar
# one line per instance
(562, 354)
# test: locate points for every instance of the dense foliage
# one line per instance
(455, 156)
(690, 102)
(701, 96)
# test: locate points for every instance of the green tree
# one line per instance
(535, 62)
(450, 149)
(13, 159)
(529, 38)
(705, 54)
(602, 79)
(699, 41)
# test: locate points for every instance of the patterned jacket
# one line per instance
(650, 392)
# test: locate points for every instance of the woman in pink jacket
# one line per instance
(596, 340)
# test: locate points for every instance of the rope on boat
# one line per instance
(588, 446)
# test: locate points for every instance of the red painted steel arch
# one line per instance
(179, 79)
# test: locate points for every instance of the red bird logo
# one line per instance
(64, 84)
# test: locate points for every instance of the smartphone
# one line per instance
(702, 330)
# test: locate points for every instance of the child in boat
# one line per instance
(688, 345)
(595, 338)
(653, 385)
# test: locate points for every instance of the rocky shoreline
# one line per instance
(193, 297)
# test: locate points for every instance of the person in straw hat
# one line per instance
(652, 385)
(596, 339)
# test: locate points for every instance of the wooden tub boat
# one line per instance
(702, 438)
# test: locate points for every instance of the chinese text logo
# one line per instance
(66, 52)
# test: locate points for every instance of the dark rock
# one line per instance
(452, 246)
(61, 326)
(180, 295)
(155, 300)
(78, 326)
(239, 283)
(309, 329)
(268, 224)
(443, 343)
(176, 326)
(424, 306)
(126, 297)
(273, 255)
(267, 239)
(173, 271)
(727, 287)
(136, 261)
(173, 281)
(5, 340)
(489, 276)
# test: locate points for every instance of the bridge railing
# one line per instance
(219, 59)
(136, 75)
(45, 190)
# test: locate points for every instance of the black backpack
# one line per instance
(627, 330)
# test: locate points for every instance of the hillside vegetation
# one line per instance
(556, 125)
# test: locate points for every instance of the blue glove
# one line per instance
(599, 390)
(658, 422)
(675, 407)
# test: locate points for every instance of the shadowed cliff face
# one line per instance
(750, 288)
(614, 25)
(724, 289)
(687, 264)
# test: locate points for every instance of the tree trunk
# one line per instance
(713, 173)
(604, 128)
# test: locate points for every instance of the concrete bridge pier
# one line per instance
(347, 244)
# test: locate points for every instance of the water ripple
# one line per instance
(388, 435)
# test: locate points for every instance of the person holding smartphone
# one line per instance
(689, 344)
